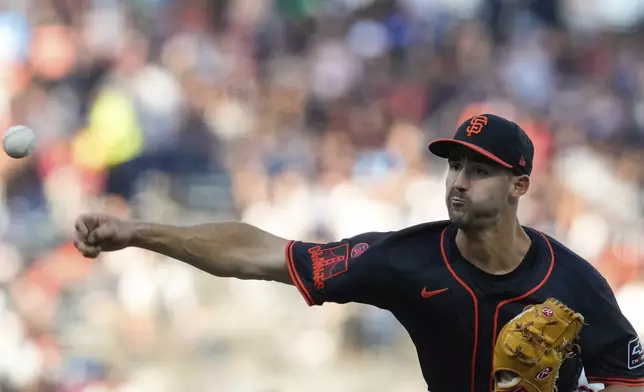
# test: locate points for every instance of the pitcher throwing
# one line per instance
(490, 304)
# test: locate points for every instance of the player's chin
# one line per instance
(465, 221)
(460, 220)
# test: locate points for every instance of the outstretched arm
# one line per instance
(231, 249)
(355, 269)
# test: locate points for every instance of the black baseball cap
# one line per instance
(496, 138)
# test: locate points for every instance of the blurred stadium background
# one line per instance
(307, 118)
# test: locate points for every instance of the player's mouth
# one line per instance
(456, 202)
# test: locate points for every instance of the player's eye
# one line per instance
(480, 171)
(455, 166)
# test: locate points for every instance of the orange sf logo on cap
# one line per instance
(476, 125)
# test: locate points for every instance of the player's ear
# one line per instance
(520, 186)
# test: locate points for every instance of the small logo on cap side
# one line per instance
(522, 161)
(476, 125)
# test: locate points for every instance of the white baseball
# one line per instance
(19, 141)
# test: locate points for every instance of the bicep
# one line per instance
(351, 270)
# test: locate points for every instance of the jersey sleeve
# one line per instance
(611, 350)
(352, 270)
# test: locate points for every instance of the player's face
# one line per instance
(478, 191)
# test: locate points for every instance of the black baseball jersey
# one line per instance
(454, 311)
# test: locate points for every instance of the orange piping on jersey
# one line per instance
(634, 382)
(295, 277)
(507, 301)
(476, 309)
(621, 383)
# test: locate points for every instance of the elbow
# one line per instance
(237, 250)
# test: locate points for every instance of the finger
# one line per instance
(81, 228)
(86, 223)
(80, 235)
(91, 221)
(83, 247)
(91, 253)
(87, 250)
(99, 234)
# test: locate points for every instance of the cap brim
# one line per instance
(444, 147)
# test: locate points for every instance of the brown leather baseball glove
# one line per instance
(531, 348)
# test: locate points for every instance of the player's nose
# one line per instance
(461, 182)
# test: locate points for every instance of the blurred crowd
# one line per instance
(309, 119)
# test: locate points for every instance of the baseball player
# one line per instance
(490, 305)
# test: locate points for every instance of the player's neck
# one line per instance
(496, 250)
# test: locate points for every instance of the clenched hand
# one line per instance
(96, 233)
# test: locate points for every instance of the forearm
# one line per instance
(231, 249)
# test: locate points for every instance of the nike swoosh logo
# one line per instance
(429, 294)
